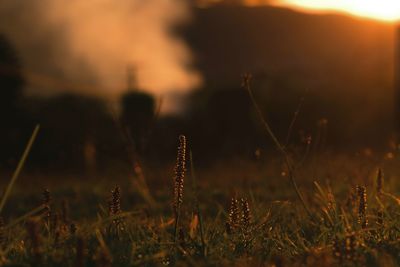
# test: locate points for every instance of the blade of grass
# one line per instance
(25, 216)
(103, 244)
(20, 165)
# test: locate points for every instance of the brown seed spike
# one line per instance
(115, 202)
(246, 214)
(234, 215)
(362, 210)
(115, 209)
(246, 223)
(351, 245)
(337, 249)
(180, 171)
(46, 204)
(46, 196)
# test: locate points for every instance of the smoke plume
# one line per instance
(87, 46)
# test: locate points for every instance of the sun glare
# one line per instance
(388, 10)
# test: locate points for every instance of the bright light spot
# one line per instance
(388, 10)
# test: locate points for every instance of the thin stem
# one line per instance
(176, 224)
(278, 145)
(294, 119)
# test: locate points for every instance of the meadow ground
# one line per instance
(234, 213)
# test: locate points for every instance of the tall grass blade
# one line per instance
(20, 165)
(26, 216)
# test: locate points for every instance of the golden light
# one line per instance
(388, 10)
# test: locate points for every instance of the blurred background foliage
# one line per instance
(341, 107)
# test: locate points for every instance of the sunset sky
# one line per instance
(387, 10)
(378, 9)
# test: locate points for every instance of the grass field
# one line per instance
(234, 213)
(302, 206)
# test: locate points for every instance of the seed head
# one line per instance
(246, 213)
(345, 249)
(115, 209)
(115, 201)
(362, 208)
(46, 203)
(234, 216)
(180, 170)
(46, 196)
(337, 249)
(351, 245)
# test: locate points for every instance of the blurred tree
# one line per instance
(12, 119)
(11, 79)
(77, 133)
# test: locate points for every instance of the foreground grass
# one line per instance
(239, 214)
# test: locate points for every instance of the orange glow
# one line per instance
(388, 10)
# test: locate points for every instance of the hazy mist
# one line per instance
(87, 46)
